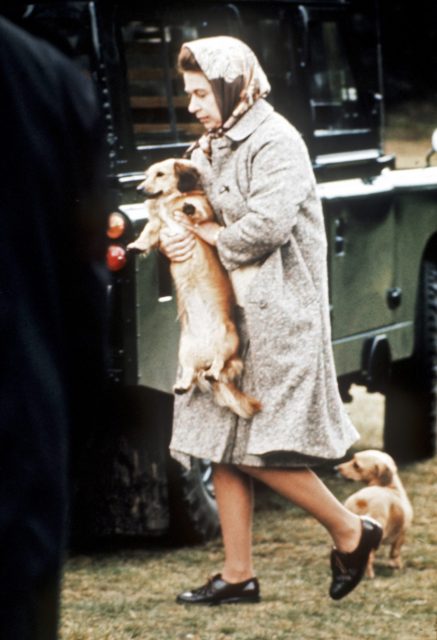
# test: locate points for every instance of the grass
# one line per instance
(130, 594)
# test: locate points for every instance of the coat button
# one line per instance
(263, 304)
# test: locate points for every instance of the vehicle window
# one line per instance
(156, 92)
(155, 100)
(267, 31)
(334, 98)
(339, 104)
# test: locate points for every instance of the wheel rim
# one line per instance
(205, 468)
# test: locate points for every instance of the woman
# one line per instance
(258, 177)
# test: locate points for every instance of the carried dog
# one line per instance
(209, 342)
(384, 499)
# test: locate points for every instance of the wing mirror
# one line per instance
(433, 149)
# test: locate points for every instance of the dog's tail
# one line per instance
(226, 394)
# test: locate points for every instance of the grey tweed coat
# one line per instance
(261, 185)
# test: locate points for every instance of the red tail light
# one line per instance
(116, 225)
(116, 257)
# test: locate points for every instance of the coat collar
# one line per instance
(250, 121)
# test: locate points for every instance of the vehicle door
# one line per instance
(339, 52)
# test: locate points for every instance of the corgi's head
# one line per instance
(371, 466)
(170, 176)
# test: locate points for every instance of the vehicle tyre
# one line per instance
(193, 509)
(411, 398)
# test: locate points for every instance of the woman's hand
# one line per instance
(177, 247)
(208, 231)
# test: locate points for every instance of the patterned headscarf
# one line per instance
(236, 78)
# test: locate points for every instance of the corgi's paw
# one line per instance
(180, 390)
(138, 247)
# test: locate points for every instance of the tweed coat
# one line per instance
(261, 185)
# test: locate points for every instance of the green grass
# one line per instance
(131, 594)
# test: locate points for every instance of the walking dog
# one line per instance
(384, 499)
(208, 347)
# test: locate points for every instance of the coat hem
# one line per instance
(266, 458)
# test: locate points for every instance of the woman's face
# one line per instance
(202, 101)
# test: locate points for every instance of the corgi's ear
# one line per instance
(384, 473)
(188, 177)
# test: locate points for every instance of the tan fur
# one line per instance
(208, 348)
(384, 499)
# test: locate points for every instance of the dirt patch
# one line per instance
(408, 132)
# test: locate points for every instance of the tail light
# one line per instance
(116, 226)
(116, 257)
(116, 254)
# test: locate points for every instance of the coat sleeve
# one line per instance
(280, 180)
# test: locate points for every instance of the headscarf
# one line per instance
(236, 78)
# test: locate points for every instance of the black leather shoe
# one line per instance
(348, 568)
(218, 591)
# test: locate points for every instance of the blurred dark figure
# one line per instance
(52, 315)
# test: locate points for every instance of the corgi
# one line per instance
(209, 341)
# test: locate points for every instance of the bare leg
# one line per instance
(234, 495)
(307, 491)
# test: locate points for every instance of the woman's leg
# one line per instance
(307, 491)
(234, 494)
